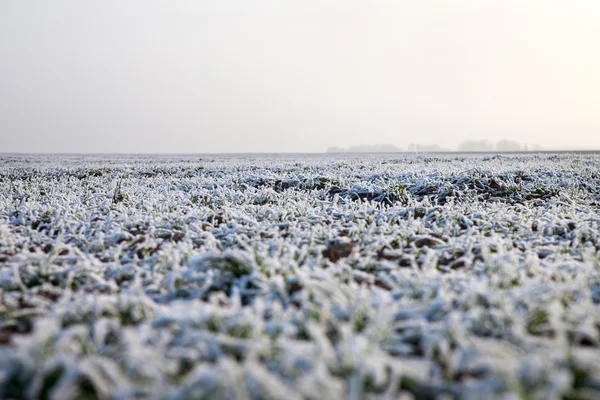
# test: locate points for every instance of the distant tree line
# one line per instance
(503, 145)
(500, 146)
(366, 148)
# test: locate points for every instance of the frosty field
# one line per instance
(320, 277)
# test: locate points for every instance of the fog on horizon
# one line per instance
(296, 76)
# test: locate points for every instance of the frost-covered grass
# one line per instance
(309, 277)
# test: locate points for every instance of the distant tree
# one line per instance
(536, 147)
(366, 148)
(426, 148)
(508, 145)
(475, 146)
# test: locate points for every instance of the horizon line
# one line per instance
(546, 151)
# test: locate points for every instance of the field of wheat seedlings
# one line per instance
(317, 277)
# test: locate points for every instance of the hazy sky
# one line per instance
(296, 76)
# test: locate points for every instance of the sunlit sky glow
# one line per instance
(283, 76)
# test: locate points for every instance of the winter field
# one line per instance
(319, 277)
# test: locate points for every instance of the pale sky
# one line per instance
(296, 76)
